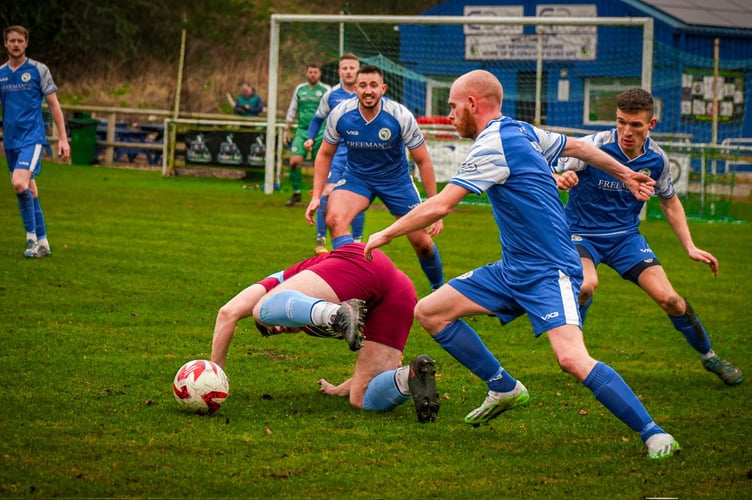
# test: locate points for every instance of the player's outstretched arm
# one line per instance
(239, 307)
(676, 217)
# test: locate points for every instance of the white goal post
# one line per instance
(340, 22)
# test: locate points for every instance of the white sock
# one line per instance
(400, 377)
(322, 313)
(44, 243)
(708, 355)
(31, 236)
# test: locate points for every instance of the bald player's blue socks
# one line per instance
(462, 342)
(613, 392)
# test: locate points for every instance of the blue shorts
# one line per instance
(339, 164)
(400, 195)
(550, 299)
(621, 251)
(25, 158)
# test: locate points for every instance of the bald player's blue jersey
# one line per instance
(505, 163)
(601, 204)
(376, 148)
(331, 99)
(21, 94)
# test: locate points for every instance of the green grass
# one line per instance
(93, 336)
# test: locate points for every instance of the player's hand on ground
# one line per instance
(326, 387)
(708, 258)
(567, 180)
(310, 213)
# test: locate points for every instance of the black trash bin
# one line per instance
(82, 134)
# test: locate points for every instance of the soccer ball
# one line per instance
(200, 386)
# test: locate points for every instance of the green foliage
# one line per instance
(93, 336)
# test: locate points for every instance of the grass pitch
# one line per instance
(92, 337)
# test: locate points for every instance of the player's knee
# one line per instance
(672, 303)
(586, 292)
(426, 318)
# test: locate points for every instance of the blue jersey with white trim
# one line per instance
(331, 99)
(509, 161)
(21, 94)
(376, 148)
(600, 203)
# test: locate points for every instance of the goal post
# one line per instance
(423, 72)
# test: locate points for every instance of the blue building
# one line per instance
(584, 67)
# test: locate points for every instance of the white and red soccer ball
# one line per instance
(200, 386)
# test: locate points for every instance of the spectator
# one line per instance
(248, 102)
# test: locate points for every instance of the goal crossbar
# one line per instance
(278, 19)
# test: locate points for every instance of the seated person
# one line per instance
(248, 102)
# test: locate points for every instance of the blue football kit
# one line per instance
(603, 215)
(21, 93)
(330, 100)
(540, 271)
(377, 162)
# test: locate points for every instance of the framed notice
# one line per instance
(699, 87)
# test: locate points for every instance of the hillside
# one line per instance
(225, 45)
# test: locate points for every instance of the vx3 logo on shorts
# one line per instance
(550, 315)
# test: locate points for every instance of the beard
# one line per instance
(466, 126)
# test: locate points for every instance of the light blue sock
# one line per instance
(691, 327)
(321, 218)
(432, 268)
(357, 225)
(382, 393)
(26, 206)
(41, 229)
(614, 393)
(462, 342)
(287, 308)
(342, 240)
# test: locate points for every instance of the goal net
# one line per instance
(557, 70)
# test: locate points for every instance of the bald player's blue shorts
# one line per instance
(549, 299)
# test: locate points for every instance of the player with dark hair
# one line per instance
(539, 272)
(24, 82)
(604, 221)
(340, 294)
(376, 131)
(348, 70)
(305, 101)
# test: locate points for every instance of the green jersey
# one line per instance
(305, 102)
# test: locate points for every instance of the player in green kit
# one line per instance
(305, 102)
